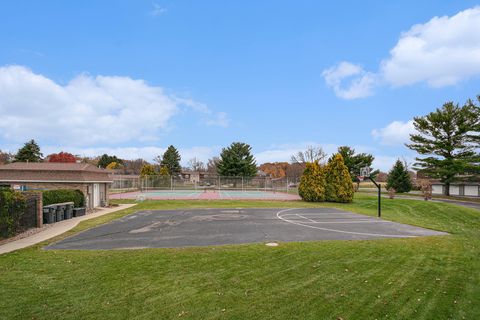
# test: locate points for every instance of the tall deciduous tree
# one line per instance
(171, 160)
(30, 152)
(399, 178)
(212, 165)
(6, 157)
(237, 160)
(196, 165)
(448, 139)
(311, 154)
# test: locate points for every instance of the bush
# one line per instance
(312, 184)
(12, 207)
(339, 186)
(64, 195)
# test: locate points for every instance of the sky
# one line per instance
(132, 77)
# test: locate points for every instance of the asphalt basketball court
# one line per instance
(206, 227)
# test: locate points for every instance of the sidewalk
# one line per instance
(57, 229)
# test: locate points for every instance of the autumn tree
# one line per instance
(62, 157)
(237, 160)
(147, 170)
(275, 169)
(30, 152)
(448, 141)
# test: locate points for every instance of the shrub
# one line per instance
(12, 207)
(63, 195)
(312, 184)
(339, 186)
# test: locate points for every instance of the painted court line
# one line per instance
(306, 218)
(279, 216)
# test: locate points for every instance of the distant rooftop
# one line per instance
(51, 166)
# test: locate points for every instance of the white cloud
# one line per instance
(157, 10)
(441, 52)
(385, 163)
(396, 133)
(87, 110)
(360, 84)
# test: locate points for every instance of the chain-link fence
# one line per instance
(157, 182)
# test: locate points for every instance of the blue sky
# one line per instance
(132, 77)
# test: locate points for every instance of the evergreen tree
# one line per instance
(449, 139)
(105, 160)
(399, 178)
(312, 183)
(237, 161)
(30, 152)
(355, 162)
(171, 160)
(339, 186)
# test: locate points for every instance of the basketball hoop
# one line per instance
(360, 178)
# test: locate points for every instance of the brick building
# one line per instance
(92, 181)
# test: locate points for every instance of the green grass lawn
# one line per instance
(419, 278)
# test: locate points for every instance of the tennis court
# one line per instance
(205, 195)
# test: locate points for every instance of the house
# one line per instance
(92, 181)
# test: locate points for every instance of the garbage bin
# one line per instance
(48, 215)
(69, 211)
(77, 212)
(60, 213)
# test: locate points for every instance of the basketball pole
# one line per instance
(379, 187)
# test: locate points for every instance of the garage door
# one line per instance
(437, 189)
(454, 190)
(471, 191)
(96, 195)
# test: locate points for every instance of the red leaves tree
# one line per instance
(62, 157)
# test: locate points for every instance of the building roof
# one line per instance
(52, 172)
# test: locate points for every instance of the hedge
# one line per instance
(12, 207)
(64, 195)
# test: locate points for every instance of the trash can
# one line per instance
(48, 215)
(60, 213)
(69, 211)
(77, 212)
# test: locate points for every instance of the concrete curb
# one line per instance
(57, 229)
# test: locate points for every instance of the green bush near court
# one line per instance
(64, 195)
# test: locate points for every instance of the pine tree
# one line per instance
(171, 160)
(30, 152)
(399, 178)
(449, 139)
(312, 183)
(237, 161)
(339, 186)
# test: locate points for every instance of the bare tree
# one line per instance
(212, 165)
(196, 165)
(311, 154)
(5, 157)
